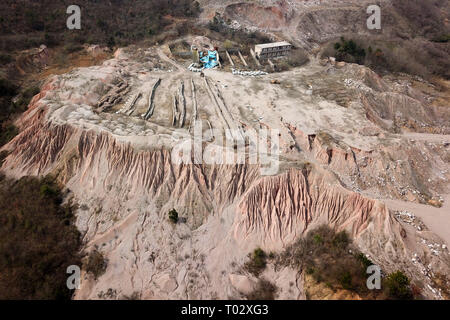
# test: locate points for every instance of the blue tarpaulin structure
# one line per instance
(209, 60)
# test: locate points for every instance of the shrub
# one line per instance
(257, 263)
(317, 239)
(397, 285)
(111, 43)
(7, 133)
(24, 99)
(95, 264)
(364, 260)
(8, 109)
(264, 290)
(341, 240)
(134, 296)
(349, 51)
(5, 58)
(173, 216)
(7, 88)
(72, 47)
(49, 191)
(345, 279)
(227, 44)
(51, 40)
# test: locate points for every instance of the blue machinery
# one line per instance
(209, 60)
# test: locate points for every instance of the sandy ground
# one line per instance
(437, 219)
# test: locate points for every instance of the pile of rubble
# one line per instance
(350, 83)
(194, 69)
(435, 248)
(248, 73)
(410, 219)
(427, 271)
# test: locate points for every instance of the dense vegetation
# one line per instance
(398, 286)
(414, 56)
(424, 17)
(38, 240)
(349, 50)
(329, 257)
(420, 47)
(32, 23)
(10, 108)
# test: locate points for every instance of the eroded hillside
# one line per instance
(356, 150)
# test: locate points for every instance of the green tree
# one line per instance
(173, 216)
(111, 42)
(398, 286)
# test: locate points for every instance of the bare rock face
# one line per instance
(272, 17)
(310, 23)
(120, 169)
(283, 207)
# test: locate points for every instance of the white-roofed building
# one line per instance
(272, 50)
